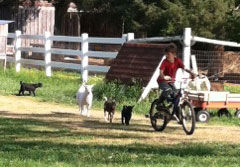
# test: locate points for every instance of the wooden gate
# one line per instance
(30, 20)
(34, 21)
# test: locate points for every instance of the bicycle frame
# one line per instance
(186, 116)
(180, 93)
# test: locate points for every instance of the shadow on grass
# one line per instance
(95, 154)
(72, 121)
(97, 124)
(13, 130)
(54, 142)
(92, 154)
(29, 125)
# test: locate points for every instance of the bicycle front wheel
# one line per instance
(158, 118)
(188, 117)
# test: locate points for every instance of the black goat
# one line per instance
(127, 114)
(28, 87)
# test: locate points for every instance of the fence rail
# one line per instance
(47, 50)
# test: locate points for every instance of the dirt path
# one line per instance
(139, 131)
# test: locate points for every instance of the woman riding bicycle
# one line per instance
(167, 75)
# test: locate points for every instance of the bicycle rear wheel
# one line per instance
(188, 117)
(158, 118)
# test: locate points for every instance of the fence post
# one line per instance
(124, 37)
(194, 64)
(187, 47)
(48, 43)
(18, 51)
(130, 36)
(84, 46)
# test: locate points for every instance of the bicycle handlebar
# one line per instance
(179, 80)
(185, 79)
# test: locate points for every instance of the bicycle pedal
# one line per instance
(177, 119)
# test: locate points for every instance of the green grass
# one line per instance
(62, 88)
(228, 121)
(32, 143)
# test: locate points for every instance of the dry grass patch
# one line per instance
(58, 117)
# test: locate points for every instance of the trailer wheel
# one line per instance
(237, 113)
(223, 112)
(203, 116)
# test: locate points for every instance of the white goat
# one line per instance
(201, 83)
(84, 98)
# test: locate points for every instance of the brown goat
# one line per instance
(109, 109)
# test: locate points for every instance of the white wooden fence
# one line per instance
(187, 40)
(47, 50)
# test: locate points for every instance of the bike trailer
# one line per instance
(203, 100)
(213, 99)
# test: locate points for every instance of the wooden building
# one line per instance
(136, 62)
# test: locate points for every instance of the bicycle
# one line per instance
(161, 116)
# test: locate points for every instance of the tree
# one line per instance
(207, 18)
(233, 23)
